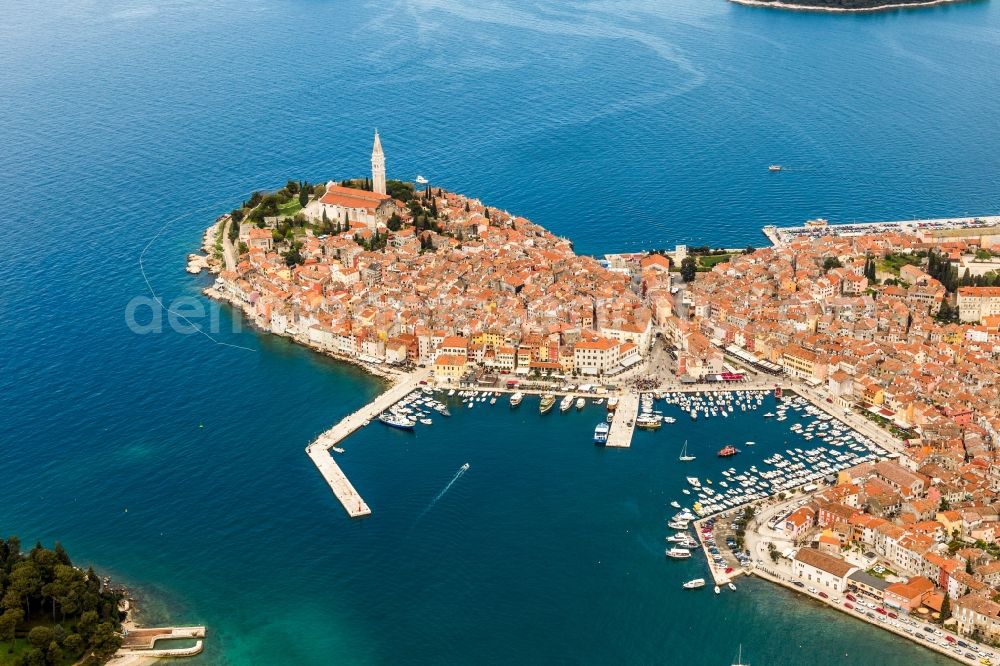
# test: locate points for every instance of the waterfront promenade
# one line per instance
(983, 225)
(319, 449)
(623, 424)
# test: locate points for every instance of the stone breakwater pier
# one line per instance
(319, 449)
(623, 424)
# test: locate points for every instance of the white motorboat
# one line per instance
(566, 403)
(678, 553)
(694, 584)
(693, 480)
(677, 524)
(426, 421)
(516, 399)
(580, 403)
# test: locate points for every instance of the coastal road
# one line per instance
(228, 251)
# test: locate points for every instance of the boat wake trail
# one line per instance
(461, 470)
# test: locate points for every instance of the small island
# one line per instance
(843, 5)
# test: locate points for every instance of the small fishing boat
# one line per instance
(727, 451)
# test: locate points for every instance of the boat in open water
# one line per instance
(685, 457)
(694, 584)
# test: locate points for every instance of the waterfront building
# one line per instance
(908, 596)
(978, 615)
(450, 367)
(871, 586)
(815, 567)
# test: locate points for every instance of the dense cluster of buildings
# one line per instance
(908, 535)
(810, 310)
(478, 291)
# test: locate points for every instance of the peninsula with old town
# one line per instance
(877, 343)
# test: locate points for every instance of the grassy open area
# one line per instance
(707, 261)
(8, 658)
(894, 262)
(289, 209)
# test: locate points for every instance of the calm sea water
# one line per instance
(178, 464)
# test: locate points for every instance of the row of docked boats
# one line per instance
(716, 403)
(784, 470)
(414, 408)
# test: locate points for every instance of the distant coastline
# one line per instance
(791, 6)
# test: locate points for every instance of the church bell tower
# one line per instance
(378, 166)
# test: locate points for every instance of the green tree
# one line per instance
(946, 607)
(26, 581)
(303, 196)
(54, 653)
(688, 269)
(831, 263)
(394, 222)
(8, 624)
(105, 641)
(87, 624)
(293, 257)
(74, 644)
(40, 637)
(33, 657)
(750, 249)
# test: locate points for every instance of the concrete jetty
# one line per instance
(623, 425)
(319, 449)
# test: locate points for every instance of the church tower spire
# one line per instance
(378, 166)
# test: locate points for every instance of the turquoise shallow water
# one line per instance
(621, 125)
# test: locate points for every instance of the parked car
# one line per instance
(824, 595)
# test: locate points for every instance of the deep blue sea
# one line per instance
(177, 464)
